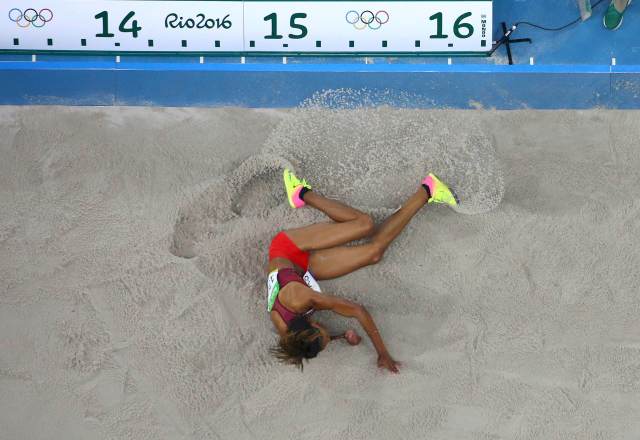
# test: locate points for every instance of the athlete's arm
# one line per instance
(349, 309)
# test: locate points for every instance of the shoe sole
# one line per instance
(453, 193)
(455, 197)
(285, 173)
(604, 23)
(621, 19)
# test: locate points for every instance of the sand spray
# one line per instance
(352, 146)
(355, 147)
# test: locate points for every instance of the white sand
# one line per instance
(518, 322)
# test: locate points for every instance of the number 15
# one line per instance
(273, 18)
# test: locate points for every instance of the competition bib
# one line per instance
(273, 287)
(311, 281)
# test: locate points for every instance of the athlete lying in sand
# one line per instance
(320, 250)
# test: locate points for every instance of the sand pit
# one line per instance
(132, 244)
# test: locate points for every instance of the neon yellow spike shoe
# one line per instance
(293, 185)
(439, 192)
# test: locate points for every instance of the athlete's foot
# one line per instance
(294, 186)
(439, 192)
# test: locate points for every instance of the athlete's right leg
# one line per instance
(351, 224)
(348, 224)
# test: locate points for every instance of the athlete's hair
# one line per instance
(300, 342)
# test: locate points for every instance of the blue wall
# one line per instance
(280, 85)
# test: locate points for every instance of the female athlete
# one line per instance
(299, 256)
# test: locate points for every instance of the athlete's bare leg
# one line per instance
(341, 260)
(348, 224)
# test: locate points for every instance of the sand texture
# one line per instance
(132, 297)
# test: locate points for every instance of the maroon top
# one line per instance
(286, 276)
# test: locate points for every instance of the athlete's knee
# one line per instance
(366, 224)
(376, 252)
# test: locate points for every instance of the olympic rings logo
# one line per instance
(30, 17)
(367, 19)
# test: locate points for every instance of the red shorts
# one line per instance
(282, 247)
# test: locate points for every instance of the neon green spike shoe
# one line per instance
(293, 185)
(440, 193)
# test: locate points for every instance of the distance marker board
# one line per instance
(247, 27)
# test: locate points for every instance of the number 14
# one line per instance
(104, 16)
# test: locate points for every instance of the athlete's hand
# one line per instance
(385, 361)
(352, 337)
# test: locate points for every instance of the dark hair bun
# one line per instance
(312, 349)
(299, 324)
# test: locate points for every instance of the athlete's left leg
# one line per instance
(341, 260)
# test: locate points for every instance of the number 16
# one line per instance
(456, 26)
